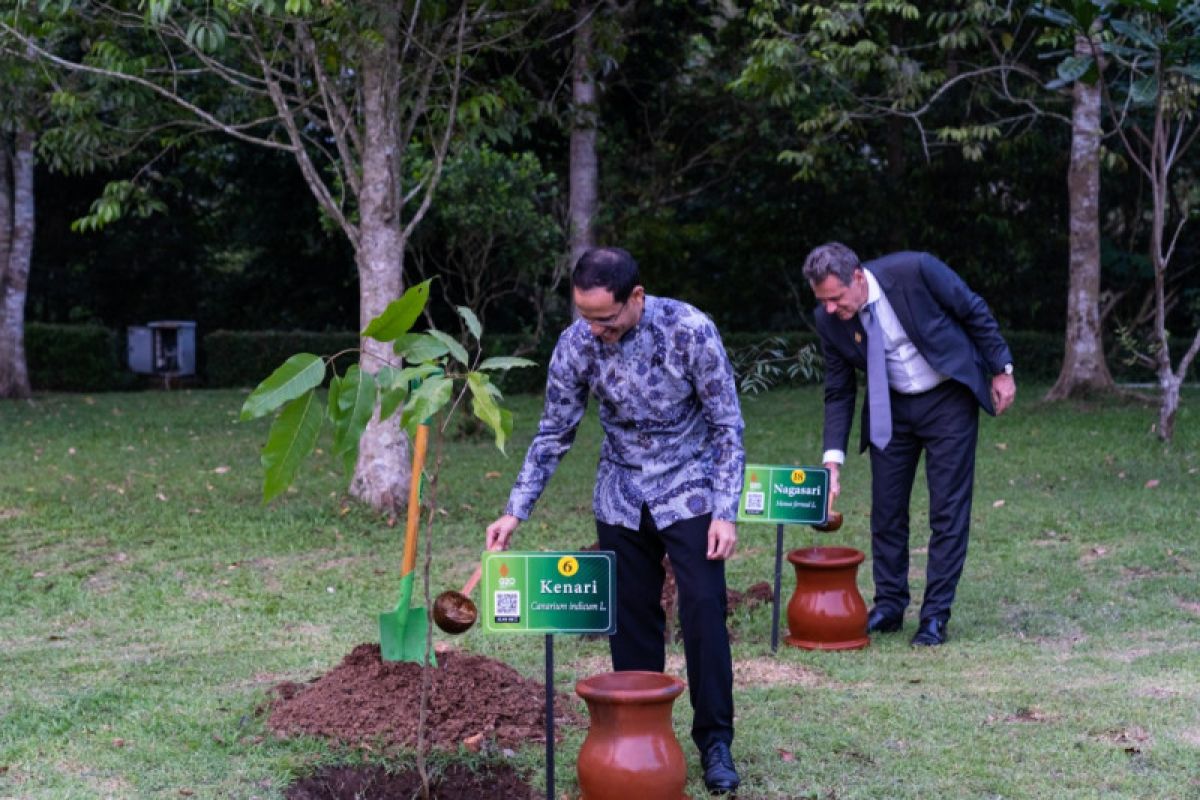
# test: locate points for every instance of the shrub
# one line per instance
(74, 358)
(243, 358)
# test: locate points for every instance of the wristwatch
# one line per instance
(1008, 368)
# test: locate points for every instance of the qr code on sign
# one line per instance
(508, 606)
(755, 502)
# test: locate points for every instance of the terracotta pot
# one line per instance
(631, 751)
(826, 611)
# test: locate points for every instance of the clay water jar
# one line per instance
(631, 752)
(827, 611)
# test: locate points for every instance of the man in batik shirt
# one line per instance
(668, 480)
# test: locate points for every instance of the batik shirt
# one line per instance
(669, 408)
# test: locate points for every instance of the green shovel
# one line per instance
(402, 631)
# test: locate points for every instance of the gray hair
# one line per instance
(833, 258)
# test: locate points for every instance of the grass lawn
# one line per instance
(148, 602)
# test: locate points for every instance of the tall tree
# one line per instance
(346, 89)
(16, 252)
(1084, 368)
(1148, 60)
(584, 163)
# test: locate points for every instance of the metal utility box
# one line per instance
(166, 348)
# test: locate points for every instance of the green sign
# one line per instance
(794, 495)
(549, 592)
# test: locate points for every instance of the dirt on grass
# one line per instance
(473, 700)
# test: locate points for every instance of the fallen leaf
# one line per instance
(786, 755)
(161, 496)
(492, 474)
(118, 742)
(1099, 550)
(1152, 483)
(998, 504)
(221, 470)
(474, 743)
(1001, 445)
(186, 792)
(39, 574)
(1121, 474)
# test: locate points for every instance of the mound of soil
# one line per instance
(473, 700)
(456, 782)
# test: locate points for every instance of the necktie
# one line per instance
(877, 382)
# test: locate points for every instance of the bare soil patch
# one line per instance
(368, 701)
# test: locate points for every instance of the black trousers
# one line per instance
(641, 624)
(944, 424)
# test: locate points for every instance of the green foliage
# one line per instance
(120, 198)
(762, 365)
(839, 67)
(74, 358)
(492, 237)
(297, 376)
(354, 396)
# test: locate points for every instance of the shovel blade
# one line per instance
(402, 636)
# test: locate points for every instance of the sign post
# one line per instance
(783, 495)
(549, 593)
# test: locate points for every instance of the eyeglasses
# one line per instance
(609, 322)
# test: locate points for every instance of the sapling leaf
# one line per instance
(292, 379)
(391, 399)
(332, 407)
(483, 403)
(418, 347)
(399, 316)
(291, 440)
(429, 398)
(473, 324)
(358, 391)
(456, 350)
(505, 362)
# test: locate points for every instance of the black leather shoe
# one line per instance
(720, 776)
(930, 633)
(880, 621)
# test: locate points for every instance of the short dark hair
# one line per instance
(608, 268)
(832, 258)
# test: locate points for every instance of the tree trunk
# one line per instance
(16, 253)
(1168, 408)
(1084, 369)
(584, 171)
(382, 472)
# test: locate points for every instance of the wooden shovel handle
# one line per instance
(469, 586)
(413, 521)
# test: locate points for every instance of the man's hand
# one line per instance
(835, 483)
(722, 539)
(500, 532)
(1004, 391)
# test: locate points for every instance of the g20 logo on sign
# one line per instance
(798, 476)
(568, 566)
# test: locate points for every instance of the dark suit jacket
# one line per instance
(948, 323)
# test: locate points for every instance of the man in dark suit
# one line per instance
(933, 356)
